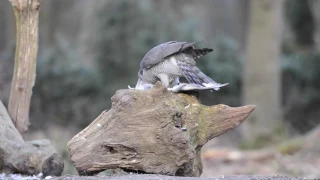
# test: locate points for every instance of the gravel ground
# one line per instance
(145, 177)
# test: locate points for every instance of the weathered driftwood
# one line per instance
(26, 13)
(18, 156)
(144, 132)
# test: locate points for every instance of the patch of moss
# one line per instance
(278, 135)
(290, 147)
(202, 128)
(281, 133)
(257, 143)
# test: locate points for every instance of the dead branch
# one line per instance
(26, 13)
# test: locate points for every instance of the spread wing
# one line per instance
(194, 75)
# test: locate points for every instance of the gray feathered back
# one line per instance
(158, 53)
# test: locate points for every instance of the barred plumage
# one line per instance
(189, 74)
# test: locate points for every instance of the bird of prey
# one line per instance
(172, 60)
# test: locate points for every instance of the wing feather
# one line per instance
(189, 74)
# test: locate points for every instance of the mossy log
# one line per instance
(18, 156)
(152, 131)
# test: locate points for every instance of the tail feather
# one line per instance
(188, 45)
(197, 53)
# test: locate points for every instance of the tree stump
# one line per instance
(152, 131)
(18, 156)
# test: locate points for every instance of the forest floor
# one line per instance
(151, 177)
(296, 157)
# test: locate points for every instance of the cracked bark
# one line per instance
(144, 132)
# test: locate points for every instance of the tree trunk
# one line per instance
(26, 13)
(17, 156)
(262, 69)
(152, 131)
(315, 5)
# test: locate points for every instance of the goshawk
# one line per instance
(172, 60)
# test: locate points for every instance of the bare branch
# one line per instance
(26, 13)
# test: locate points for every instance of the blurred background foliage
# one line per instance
(90, 49)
